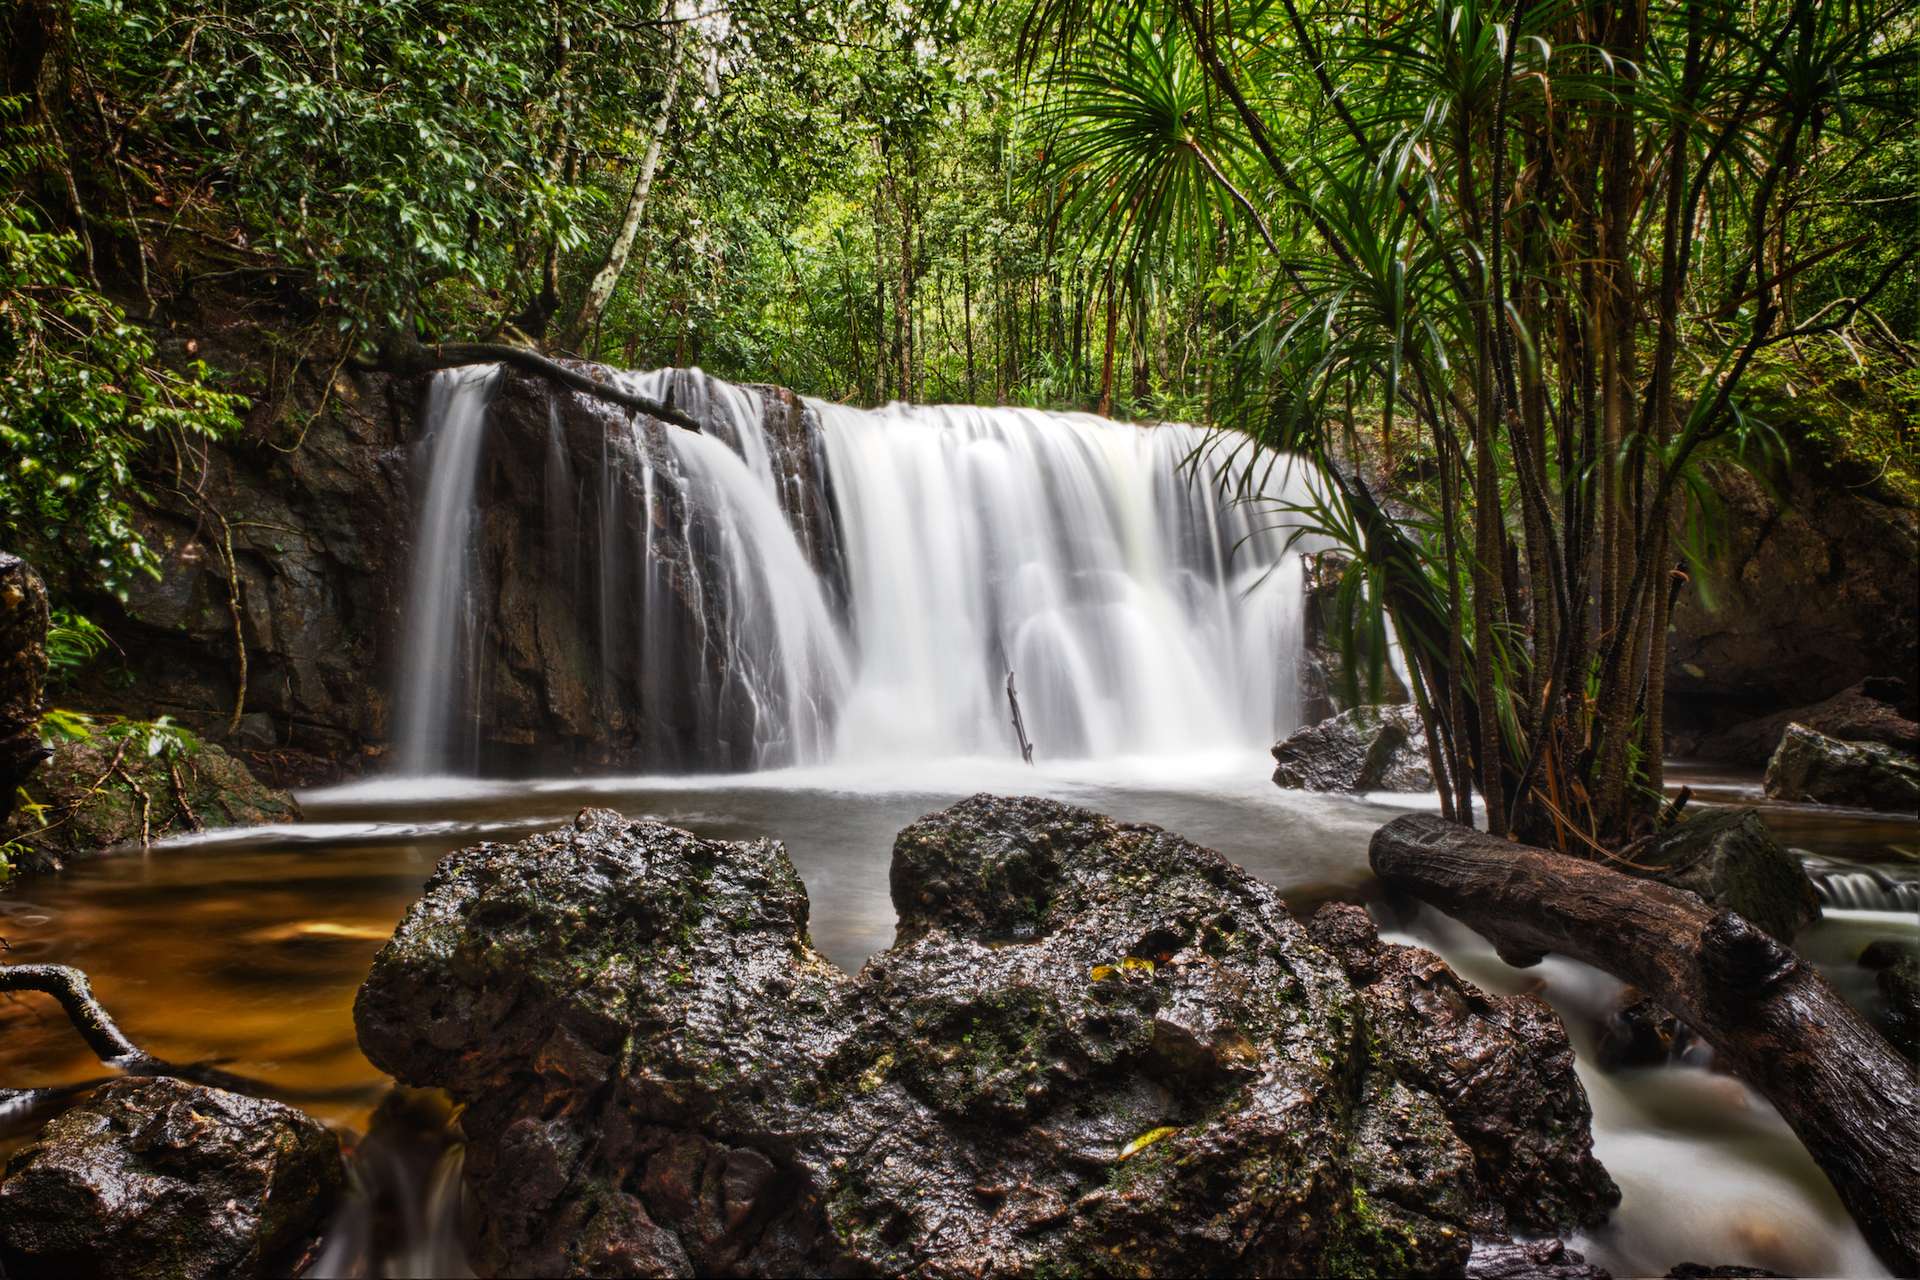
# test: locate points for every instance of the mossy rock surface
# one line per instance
(1094, 1049)
(1730, 858)
(1809, 765)
(98, 795)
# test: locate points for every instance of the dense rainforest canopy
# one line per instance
(1513, 274)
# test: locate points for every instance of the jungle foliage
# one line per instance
(1539, 247)
(1520, 268)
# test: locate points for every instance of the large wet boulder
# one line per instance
(1094, 1048)
(1808, 765)
(1363, 749)
(1500, 1066)
(108, 792)
(1730, 858)
(164, 1180)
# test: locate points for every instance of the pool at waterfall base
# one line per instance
(246, 947)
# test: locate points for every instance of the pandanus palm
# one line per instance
(1538, 243)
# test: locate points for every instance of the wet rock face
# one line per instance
(1093, 1048)
(1808, 765)
(160, 1178)
(600, 637)
(1730, 859)
(99, 795)
(319, 564)
(1754, 644)
(1500, 1067)
(1365, 749)
(1324, 683)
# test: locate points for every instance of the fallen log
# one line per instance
(450, 355)
(1771, 1019)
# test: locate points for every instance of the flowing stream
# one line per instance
(1155, 665)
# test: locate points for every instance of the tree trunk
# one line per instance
(1106, 358)
(23, 673)
(1771, 1019)
(600, 289)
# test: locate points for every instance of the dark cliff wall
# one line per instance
(310, 532)
(1815, 586)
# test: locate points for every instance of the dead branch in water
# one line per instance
(69, 986)
(451, 355)
(1019, 726)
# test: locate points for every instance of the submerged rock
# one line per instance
(1731, 860)
(1364, 749)
(1637, 1032)
(99, 794)
(1899, 987)
(1808, 765)
(156, 1177)
(1530, 1260)
(1093, 1048)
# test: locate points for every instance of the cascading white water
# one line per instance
(437, 647)
(1142, 612)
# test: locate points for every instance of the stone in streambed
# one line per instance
(1731, 860)
(1878, 709)
(1500, 1067)
(163, 1179)
(1530, 1260)
(1364, 749)
(1808, 765)
(1093, 1048)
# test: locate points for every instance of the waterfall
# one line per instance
(1141, 614)
(437, 647)
(840, 584)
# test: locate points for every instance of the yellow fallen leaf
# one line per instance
(1101, 972)
(1134, 964)
(1147, 1139)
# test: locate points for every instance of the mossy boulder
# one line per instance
(164, 1180)
(1730, 858)
(1808, 765)
(101, 794)
(1094, 1048)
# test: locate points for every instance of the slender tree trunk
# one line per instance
(966, 306)
(1106, 359)
(600, 288)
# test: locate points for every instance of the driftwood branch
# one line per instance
(1771, 1019)
(449, 355)
(96, 1026)
(1019, 725)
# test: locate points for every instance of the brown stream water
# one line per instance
(246, 948)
